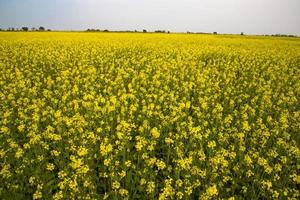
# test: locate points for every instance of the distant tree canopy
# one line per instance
(93, 30)
(98, 30)
(282, 35)
(25, 28)
(160, 31)
(125, 31)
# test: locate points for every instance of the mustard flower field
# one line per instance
(149, 116)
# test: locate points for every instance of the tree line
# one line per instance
(129, 31)
(25, 28)
(41, 28)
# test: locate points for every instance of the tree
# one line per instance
(41, 28)
(25, 28)
(144, 31)
(160, 31)
(242, 33)
(215, 33)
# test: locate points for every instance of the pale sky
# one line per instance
(223, 16)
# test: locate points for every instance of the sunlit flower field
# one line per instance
(149, 116)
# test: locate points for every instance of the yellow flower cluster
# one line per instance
(149, 116)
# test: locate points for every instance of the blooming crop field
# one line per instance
(149, 116)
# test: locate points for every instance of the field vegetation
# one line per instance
(149, 116)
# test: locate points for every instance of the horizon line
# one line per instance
(95, 30)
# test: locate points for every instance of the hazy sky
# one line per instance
(224, 16)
